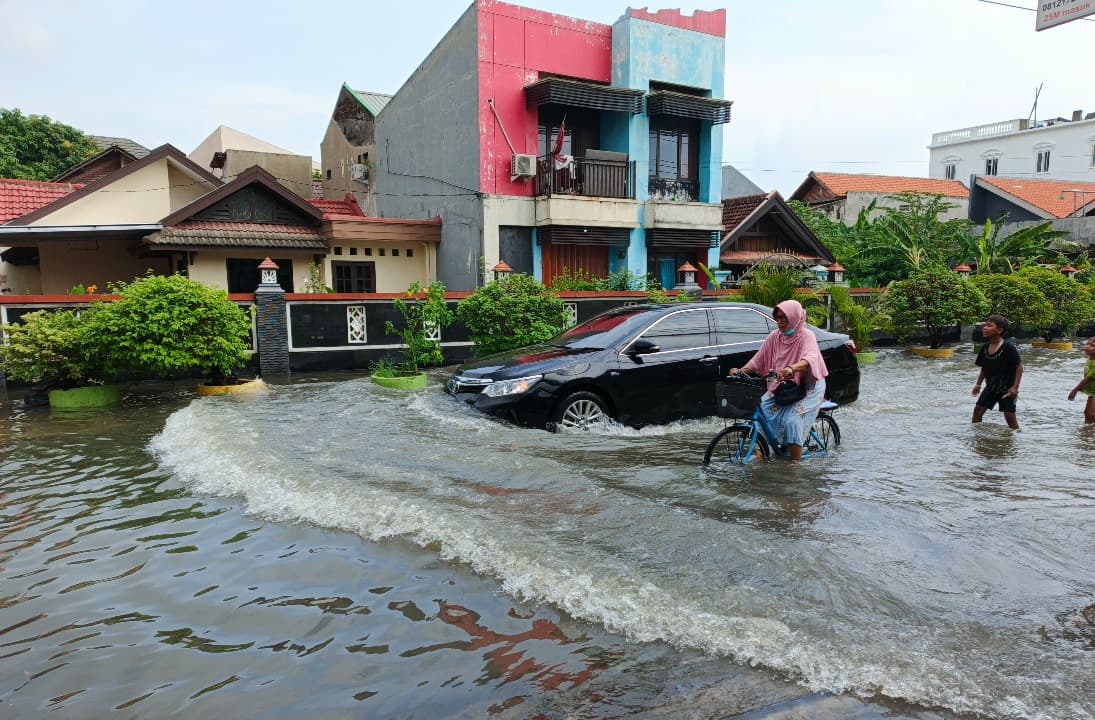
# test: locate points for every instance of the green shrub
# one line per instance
(57, 349)
(1016, 298)
(858, 320)
(419, 316)
(574, 280)
(510, 313)
(1071, 301)
(170, 326)
(933, 300)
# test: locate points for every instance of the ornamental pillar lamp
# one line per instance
(963, 270)
(1068, 271)
(268, 270)
(501, 270)
(836, 273)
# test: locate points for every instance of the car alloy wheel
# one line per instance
(581, 411)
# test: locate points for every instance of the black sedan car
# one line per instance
(638, 365)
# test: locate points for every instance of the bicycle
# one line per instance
(752, 438)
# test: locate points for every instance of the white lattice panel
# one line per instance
(572, 314)
(355, 324)
(433, 330)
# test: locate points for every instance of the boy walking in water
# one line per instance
(1001, 371)
(1087, 384)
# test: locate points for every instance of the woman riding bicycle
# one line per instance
(790, 351)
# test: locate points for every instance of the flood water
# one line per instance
(334, 549)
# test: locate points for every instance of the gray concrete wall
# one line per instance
(427, 152)
(1080, 230)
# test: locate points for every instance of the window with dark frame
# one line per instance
(1041, 164)
(948, 171)
(674, 150)
(354, 277)
(990, 166)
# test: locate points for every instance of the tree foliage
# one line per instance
(510, 313)
(1016, 298)
(57, 349)
(858, 320)
(770, 285)
(933, 300)
(170, 326)
(420, 315)
(33, 147)
(1071, 300)
(992, 254)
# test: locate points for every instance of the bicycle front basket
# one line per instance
(737, 400)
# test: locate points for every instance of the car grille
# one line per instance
(463, 384)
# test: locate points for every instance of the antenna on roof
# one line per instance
(1032, 119)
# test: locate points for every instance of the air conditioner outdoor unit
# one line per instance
(523, 166)
(358, 171)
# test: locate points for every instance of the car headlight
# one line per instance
(511, 387)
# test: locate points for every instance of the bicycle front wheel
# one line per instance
(738, 444)
(824, 430)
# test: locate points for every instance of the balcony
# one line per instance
(665, 190)
(978, 132)
(586, 176)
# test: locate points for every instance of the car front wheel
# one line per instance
(580, 411)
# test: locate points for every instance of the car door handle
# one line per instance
(708, 359)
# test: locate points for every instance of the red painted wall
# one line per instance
(516, 44)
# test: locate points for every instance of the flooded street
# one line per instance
(342, 550)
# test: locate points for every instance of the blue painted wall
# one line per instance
(644, 51)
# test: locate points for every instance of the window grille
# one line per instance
(355, 324)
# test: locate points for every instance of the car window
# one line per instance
(680, 331)
(737, 325)
(603, 331)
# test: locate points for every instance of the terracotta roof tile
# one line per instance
(735, 210)
(330, 208)
(1047, 195)
(19, 197)
(843, 183)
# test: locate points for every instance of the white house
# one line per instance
(1058, 149)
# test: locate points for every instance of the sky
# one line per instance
(840, 86)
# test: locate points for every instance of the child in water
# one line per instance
(1087, 383)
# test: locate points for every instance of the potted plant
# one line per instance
(59, 351)
(932, 300)
(1071, 302)
(172, 326)
(858, 321)
(424, 312)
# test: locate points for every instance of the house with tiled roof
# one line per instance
(841, 196)
(348, 150)
(165, 214)
(132, 147)
(993, 197)
(18, 268)
(92, 235)
(109, 159)
(763, 229)
(1020, 202)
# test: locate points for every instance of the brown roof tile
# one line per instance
(1050, 196)
(735, 210)
(843, 183)
(239, 234)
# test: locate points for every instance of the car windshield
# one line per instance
(605, 330)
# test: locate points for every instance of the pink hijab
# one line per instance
(779, 350)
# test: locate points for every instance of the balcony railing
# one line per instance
(979, 131)
(665, 190)
(585, 177)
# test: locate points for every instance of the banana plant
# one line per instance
(991, 253)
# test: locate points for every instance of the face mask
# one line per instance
(789, 332)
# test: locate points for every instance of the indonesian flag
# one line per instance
(558, 151)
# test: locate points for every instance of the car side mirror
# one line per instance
(643, 347)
